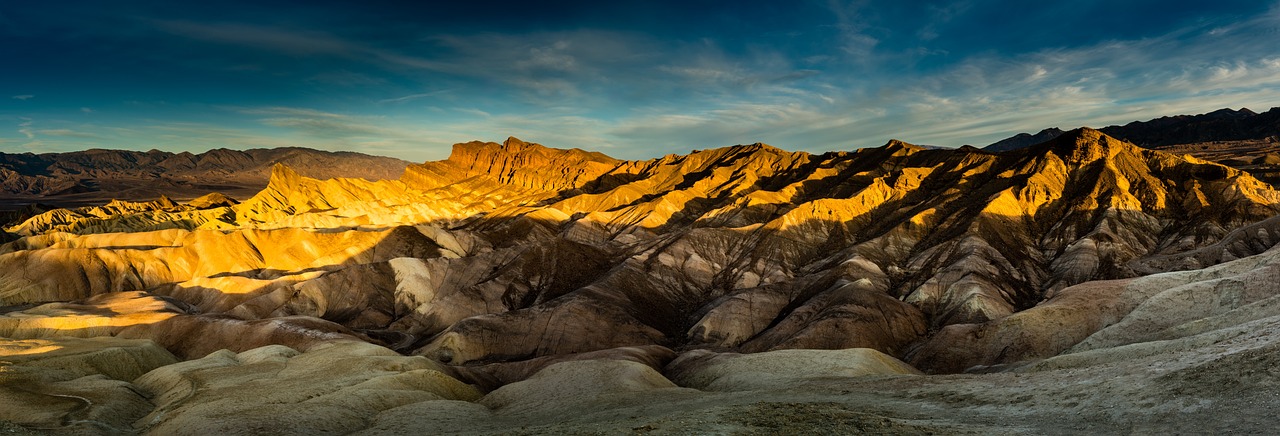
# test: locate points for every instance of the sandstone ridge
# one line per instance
(521, 269)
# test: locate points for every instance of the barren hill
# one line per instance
(1241, 139)
(575, 288)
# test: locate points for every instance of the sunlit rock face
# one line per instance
(515, 286)
(506, 256)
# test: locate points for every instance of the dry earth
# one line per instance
(1081, 286)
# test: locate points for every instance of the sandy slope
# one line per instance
(560, 291)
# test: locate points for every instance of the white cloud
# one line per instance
(24, 97)
(87, 110)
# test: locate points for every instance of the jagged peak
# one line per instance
(896, 147)
(283, 176)
(740, 148)
(514, 144)
(764, 147)
(164, 202)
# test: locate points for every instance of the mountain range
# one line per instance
(1223, 125)
(98, 175)
(1081, 282)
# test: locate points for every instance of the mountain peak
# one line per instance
(283, 177)
(515, 145)
(1244, 112)
(758, 147)
(1083, 145)
(901, 147)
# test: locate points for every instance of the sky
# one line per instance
(630, 79)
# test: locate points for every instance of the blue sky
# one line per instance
(631, 79)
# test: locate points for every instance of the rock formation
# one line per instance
(574, 287)
(521, 251)
(1220, 126)
(1241, 139)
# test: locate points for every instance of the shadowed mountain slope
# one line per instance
(1023, 140)
(545, 252)
(1220, 126)
(1240, 139)
(1217, 126)
(588, 293)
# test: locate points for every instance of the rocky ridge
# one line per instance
(1241, 139)
(1222, 125)
(525, 270)
(94, 176)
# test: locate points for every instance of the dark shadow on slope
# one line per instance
(601, 291)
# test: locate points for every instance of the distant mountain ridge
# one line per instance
(1222, 125)
(1023, 140)
(95, 174)
(1219, 125)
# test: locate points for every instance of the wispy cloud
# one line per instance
(199, 136)
(67, 133)
(412, 97)
(471, 111)
(38, 146)
(334, 131)
(840, 74)
(25, 128)
(983, 98)
(854, 40)
(291, 111)
(544, 64)
(316, 123)
(87, 110)
(325, 127)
